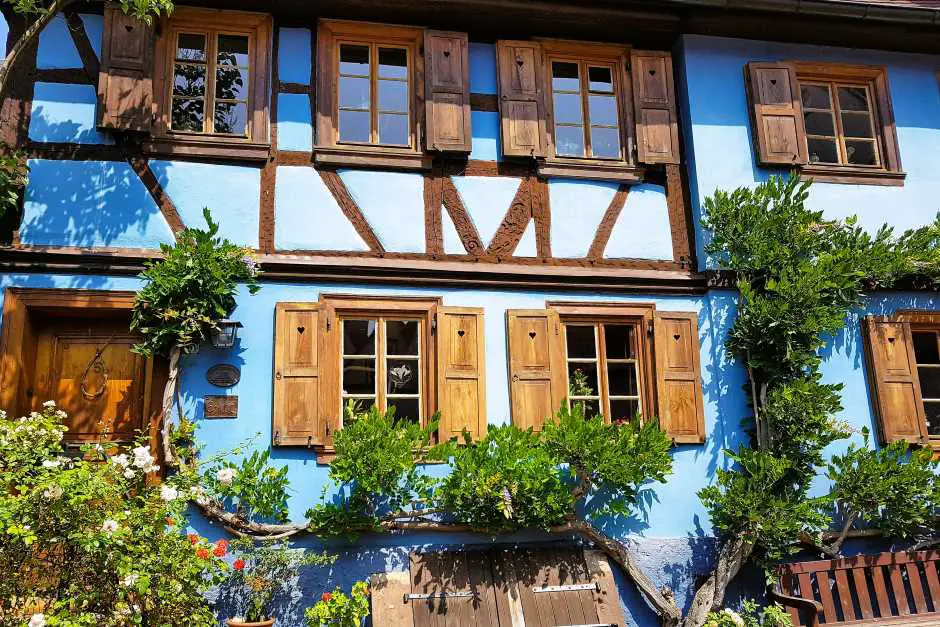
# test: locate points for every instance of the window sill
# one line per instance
(326, 454)
(368, 157)
(210, 147)
(852, 176)
(587, 169)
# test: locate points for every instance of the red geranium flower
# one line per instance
(193, 538)
(222, 543)
(170, 521)
(327, 596)
(239, 564)
(202, 554)
(218, 551)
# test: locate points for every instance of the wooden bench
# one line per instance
(888, 588)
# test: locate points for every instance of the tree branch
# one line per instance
(172, 383)
(27, 39)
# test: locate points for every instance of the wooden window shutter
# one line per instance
(448, 577)
(521, 98)
(125, 85)
(537, 378)
(302, 368)
(893, 377)
(654, 98)
(447, 97)
(776, 113)
(679, 377)
(461, 382)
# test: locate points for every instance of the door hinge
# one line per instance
(572, 587)
(466, 594)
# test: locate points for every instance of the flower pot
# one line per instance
(234, 622)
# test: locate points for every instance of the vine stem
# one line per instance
(169, 392)
(27, 39)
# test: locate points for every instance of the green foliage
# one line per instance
(90, 540)
(335, 609)
(190, 289)
(262, 571)
(891, 487)
(507, 481)
(14, 174)
(751, 615)
(252, 488)
(619, 457)
(798, 276)
(144, 10)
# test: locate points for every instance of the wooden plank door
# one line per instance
(453, 589)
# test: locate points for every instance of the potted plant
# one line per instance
(263, 570)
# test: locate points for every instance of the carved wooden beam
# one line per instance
(461, 219)
(433, 204)
(514, 223)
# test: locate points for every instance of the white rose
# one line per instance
(120, 460)
(130, 580)
(49, 404)
(225, 476)
(52, 493)
(142, 457)
(51, 463)
(37, 620)
(169, 493)
(734, 616)
(109, 526)
(129, 473)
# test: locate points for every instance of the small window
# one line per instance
(214, 101)
(927, 356)
(586, 114)
(373, 95)
(840, 124)
(383, 365)
(603, 369)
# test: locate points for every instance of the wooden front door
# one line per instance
(87, 368)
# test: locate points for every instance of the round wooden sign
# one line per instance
(224, 375)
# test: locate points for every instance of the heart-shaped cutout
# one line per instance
(447, 53)
(532, 334)
(676, 337)
(129, 27)
(460, 332)
(520, 61)
(301, 330)
(652, 72)
(891, 340)
(773, 81)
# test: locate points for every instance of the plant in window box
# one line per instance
(186, 294)
(260, 573)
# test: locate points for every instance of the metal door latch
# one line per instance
(573, 587)
(438, 595)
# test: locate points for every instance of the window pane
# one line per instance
(600, 79)
(603, 110)
(925, 348)
(393, 96)
(856, 125)
(231, 83)
(187, 115)
(231, 118)
(569, 141)
(393, 63)
(589, 408)
(823, 151)
(860, 152)
(233, 50)
(582, 379)
(623, 410)
(402, 376)
(853, 99)
(191, 47)
(929, 382)
(933, 418)
(819, 123)
(354, 126)
(359, 337)
(354, 60)
(353, 93)
(401, 337)
(358, 376)
(618, 341)
(580, 341)
(393, 129)
(568, 109)
(605, 142)
(815, 96)
(189, 80)
(406, 408)
(565, 76)
(621, 380)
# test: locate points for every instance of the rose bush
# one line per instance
(94, 540)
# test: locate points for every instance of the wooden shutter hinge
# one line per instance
(277, 438)
(434, 323)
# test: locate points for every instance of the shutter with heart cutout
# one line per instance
(537, 378)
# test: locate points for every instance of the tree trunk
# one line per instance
(169, 393)
(711, 594)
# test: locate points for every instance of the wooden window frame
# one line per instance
(17, 339)
(586, 54)
(329, 151)
(211, 22)
(920, 320)
(875, 80)
(639, 315)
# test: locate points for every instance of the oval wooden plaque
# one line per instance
(224, 375)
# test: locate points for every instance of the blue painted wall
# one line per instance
(715, 117)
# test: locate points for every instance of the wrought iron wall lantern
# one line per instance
(225, 333)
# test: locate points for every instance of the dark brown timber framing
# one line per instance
(267, 216)
(349, 207)
(86, 52)
(606, 227)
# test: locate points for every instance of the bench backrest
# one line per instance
(901, 588)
